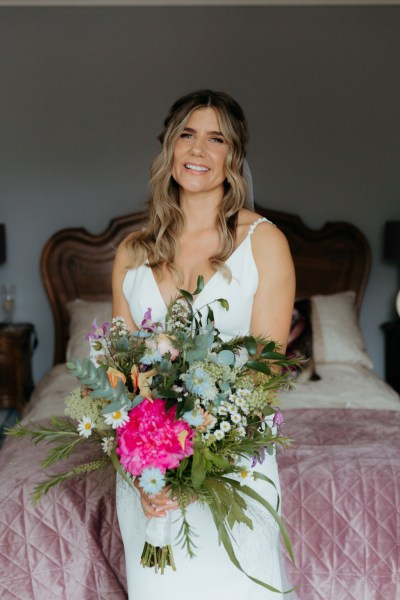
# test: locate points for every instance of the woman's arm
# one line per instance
(120, 306)
(274, 298)
(153, 505)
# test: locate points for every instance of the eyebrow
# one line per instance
(191, 130)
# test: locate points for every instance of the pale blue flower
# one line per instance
(152, 480)
(193, 417)
(199, 382)
(151, 357)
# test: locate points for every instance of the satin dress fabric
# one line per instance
(211, 573)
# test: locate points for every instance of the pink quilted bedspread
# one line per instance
(341, 502)
(341, 499)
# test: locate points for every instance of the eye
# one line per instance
(217, 140)
(186, 135)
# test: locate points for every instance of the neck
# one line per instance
(200, 210)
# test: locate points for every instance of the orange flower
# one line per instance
(114, 375)
(142, 381)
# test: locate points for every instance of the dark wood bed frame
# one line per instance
(77, 264)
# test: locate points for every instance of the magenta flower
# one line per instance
(148, 324)
(153, 438)
(278, 419)
(97, 332)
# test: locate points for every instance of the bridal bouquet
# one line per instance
(176, 407)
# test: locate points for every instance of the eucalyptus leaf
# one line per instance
(204, 340)
(196, 355)
(226, 357)
(137, 400)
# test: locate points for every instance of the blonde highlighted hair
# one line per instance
(158, 242)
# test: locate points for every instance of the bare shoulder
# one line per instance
(266, 237)
(125, 249)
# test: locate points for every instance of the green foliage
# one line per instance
(97, 380)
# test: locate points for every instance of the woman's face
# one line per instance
(200, 153)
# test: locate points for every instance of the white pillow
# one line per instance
(336, 332)
(82, 314)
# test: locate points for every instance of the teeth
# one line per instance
(196, 167)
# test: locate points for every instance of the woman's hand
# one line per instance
(156, 505)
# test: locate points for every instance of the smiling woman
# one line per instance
(199, 157)
(198, 226)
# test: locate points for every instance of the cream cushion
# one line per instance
(337, 337)
(82, 314)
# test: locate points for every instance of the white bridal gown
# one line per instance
(210, 574)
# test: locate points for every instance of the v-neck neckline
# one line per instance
(208, 281)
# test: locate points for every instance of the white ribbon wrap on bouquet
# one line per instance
(159, 530)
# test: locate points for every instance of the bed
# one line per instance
(340, 481)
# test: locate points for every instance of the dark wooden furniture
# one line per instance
(392, 353)
(77, 264)
(17, 342)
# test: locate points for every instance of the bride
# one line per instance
(198, 225)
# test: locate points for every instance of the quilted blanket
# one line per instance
(341, 502)
(341, 499)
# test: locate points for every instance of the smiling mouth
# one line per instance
(197, 168)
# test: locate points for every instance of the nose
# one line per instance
(197, 147)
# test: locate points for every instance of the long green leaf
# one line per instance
(244, 489)
(198, 468)
(256, 365)
(200, 285)
(226, 541)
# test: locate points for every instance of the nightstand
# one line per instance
(392, 353)
(17, 342)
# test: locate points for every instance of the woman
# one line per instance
(198, 226)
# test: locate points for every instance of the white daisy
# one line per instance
(85, 427)
(225, 426)
(241, 432)
(218, 434)
(107, 444)
(244, 476)
(117, 418)
(236, 418)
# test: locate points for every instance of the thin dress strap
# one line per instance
(260, 220)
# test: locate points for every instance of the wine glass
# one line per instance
(8, 301)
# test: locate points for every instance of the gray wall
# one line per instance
(83, 92)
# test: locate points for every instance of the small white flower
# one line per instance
(218, 434)
(107, 444)
(236, 418)
(225, 426)
(241, 432)
(117, 418)
(85, 427)
(244, 476)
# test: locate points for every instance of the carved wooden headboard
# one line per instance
(77, 264)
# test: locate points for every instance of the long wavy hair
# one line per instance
(158, 243)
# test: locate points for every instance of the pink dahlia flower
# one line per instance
(152, 438)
